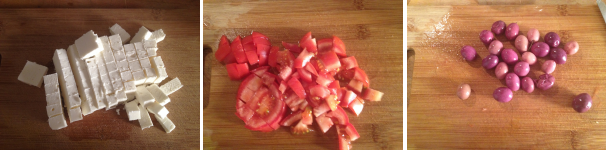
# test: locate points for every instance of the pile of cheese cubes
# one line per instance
(100, 72)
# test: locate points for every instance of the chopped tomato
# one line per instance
(268, 78)
(355, 86)
(236, 48)
(355, 73)
(356, 106)
(332, 102)
(325, 45)
(291, 119)
(334, 87)
(303, 59)
(272, 59)
(285, 73)
(330, 61)
(318, 92)
(305, 75)
(296, 86)
(306, 116)
(321, 109)
(310, 68)
(242, 70)
(349, 62)
(223, 50)
(350, 132)
(294, 48)
(306, 37)
(338, 46)
(263, 52)
(247, 40)
(348, 97)
(286, 59)
(303, 104)
(283, 86)
(252, 57)
(292, 100)
(232, 71)
(323, 80)
(259, 38)
(339, 115)
(260, 71)
(300, 128)
(324, 122)
(310, 45)
(371, 95)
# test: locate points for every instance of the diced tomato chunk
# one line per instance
(306, 116)
(259, 38)
(351, 132)
(356, 106)
(236, 48)
(242, 70)
(291, 119)
(332, 102)
(321, 109)
(334, 87)
(306, 37)
(263, 53)
(272, 59)
(324, 122)
(325, 45)
(247, 40)
(232, 71)
(285, 73)
(310, 68)
(300, 128)
(323, 80)
(355, 86)
(339, 115)
(223, 50)
(360, 75)
(330, 60)
(318, 91)
(303, 58)
(371, 95)
(338, 46)
(310, 45)
(283, 86)
(252, 57)
(296, 86)
(286, 59)
(294, 48)
(268, 78)
(305, 75)
(260, 71)
(349, 62)
(348, 97)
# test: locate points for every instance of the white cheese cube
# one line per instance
(135, 65)
(145, 120)
(88, 45)
(152, 51)
(117, 29)
(108, 55)
(122, 66)
(132, 56)
(157, 61)
(145, 63)
(115, 42)
(150, 44)
(121, 96)
(157, 109)
(72, 101)
(171, 86)
(158, 95)
(111, 66)
(86, 106)
(107, 84)
(166, 123)
(131, 95)
(102, 102)
(151, 75)
(50, 89)
(130, 87)
(141, 52)
(127, 76)
(119, 55)
(66, 79)
(161, 75)
(54, 98)
(75, 114)
(115, 78)
(144, 96)
(139, 77)
(57, 122)
(51, 79)
(55, 109)
(32, 74)
(158, 35)
(112, 102)
(133, 110)
(141, 35)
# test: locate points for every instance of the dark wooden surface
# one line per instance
(372, 32)
(35, 31)
(437, 119)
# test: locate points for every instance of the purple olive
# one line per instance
(501, 70)
(502, 94)
(540, 49)
(552, 39)
(509, 56)
(548, 66)
(498, 27)
(521, 43)
(495, 47)
(490, 61)
(512, 81)
(558, 55)
(486, 37)
(521, 68)
(582, 102)
(527, 84)
(544, 81)
(529, 58)
(512, 31)
(468, 52)
(533, 35)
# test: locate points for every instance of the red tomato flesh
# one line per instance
(325, 45)
(330, 60)
(296, 86)
(349, 62)
(223, 50)
(272, 59)
(356, 106)
(371, 95)
(238, 50)
(338, 46)
(303, 58)
(294, 48)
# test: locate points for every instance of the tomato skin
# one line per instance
(371, 95)
(356, 106)
(318, 91)
(330, 60)
(294, 48)
(306, 37)
(355, 73)
(323, 80)
(355, 86)
(303, 59)
(242, 70)
(223, 50)
(310, 45)
(296, 86)
(263, 53)
(232, 71)
(238, 50)
(252, 57)
(272, 60)
(334, 87)
(285, 73)
(324, 122)
(259, 38)
(305, 75)
(339, 115)
(260, 71)
(338, 46)
(351, 132)
(349, 62)
(325, 45)
(247, 40)
(348, 97)
(291, 119)
(310, 68)
(286, 59)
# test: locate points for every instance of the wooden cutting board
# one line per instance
(34, 34)
(437, 119)
(372, 32)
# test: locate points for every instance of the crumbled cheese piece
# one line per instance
(158, 35)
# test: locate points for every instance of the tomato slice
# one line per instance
(310, 45)
(268, 78)
(355, 86)
(325, 45)
(303, 58)
(330, 60)
(223, 50)
(294, 48)
(318, 92)
(348, 97)
(259, 38)
(243, 112)
(296, 86)
(349, 62)
(236, 48)
(356, 106)
(338, 46)
(305, 75)
(252, 57)
(371, 95)
(291, 119)
(272, 60)
(267, 105)
(324, 122)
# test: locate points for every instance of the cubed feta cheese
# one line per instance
(150, 75)
(66, 79)
(117, 29)
(127, 76)
(115, 42)
(150, 44)
(51, 79)
(157, 109)
(152, 51)
(145, 63)
(54, 98)
(112, 102)
(135, 65)
(75, 114)
(157, 61)
(132, 109)
(108, 54)
(119, 55)
(57, 122)
(144, 96)
(107, 84)
(55, 109)
(139, 77)
(121, 96)
(88, 45)
(166, 123)
(32, 74)
(161, 75)
(158, 95)
(141, 35)
(145, 120)
(130, 87)
(158, 35)
(122, 65)
(171, 86)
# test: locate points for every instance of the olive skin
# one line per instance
(552, 39)
(498, 27)
(582, 103)
(502, 94)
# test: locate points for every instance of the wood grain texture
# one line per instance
(149, 4)
(34, 34)
(372, 32)
(437, 119)
(498, 2)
